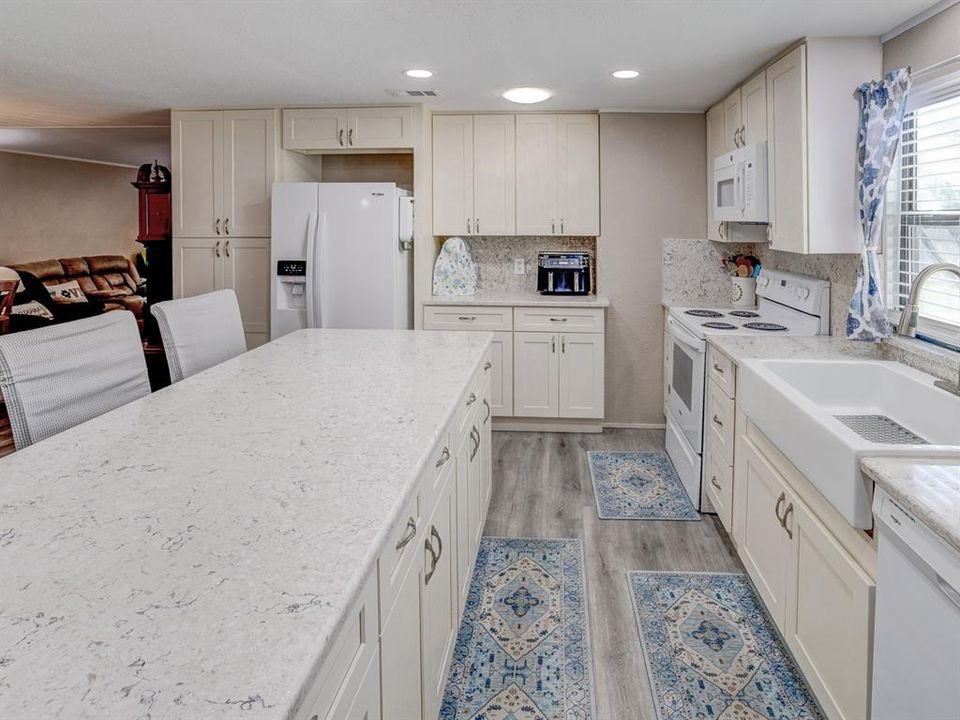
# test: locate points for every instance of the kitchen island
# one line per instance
(201, 552)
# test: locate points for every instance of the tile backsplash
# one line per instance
(494, 258)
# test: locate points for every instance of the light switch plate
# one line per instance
(519, 268)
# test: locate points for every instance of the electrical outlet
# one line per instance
(518, 266)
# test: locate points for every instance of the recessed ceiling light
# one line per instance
(527, 95)
(625, 74)
(418, 73)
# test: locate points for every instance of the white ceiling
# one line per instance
(108, 62)
(116, 145)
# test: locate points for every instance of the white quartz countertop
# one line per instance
(191, 554)
(519, 299)
(819, 347)
(927, 488)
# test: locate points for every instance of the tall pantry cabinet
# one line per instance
(224, 163)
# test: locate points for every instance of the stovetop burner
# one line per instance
(703, 313)
(719, 326)
(744, 313)
(767, 326)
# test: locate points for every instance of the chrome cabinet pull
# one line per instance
(561, 226)
(466, 318)
(434, 533)
(475, 436)
(226, 248)
(553, 344)
(468, 226)
(216, 248)
(489, 411)
(776, 510)
(408, 535)
(563, 343)
(444, 457)
(718, 368)
(476, 225)
(559, 319)
(350, 137)
(226, 226)
(471, 399)
(713, 481)
(487, 365)
(720, 230)
(717, 420)
(786, 514)
(216, 226)
(553, 227)
(340, 137)
(433, 561)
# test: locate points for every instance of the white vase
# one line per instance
(744, 291)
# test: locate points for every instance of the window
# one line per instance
(922, 223)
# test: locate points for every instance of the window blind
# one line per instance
(923, 212)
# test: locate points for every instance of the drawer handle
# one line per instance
(466, 317)
(786, 514)
(718, 368)
(472, 399)
(717, 420)
(444, 457)
(475, 435)
(776, 510)
(409, 535)
(713, 481)
(487, 406)
(560, 319)
(487, 365)
(433, 561)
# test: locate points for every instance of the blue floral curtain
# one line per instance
(881, 116)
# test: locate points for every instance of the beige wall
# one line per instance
(62, 208)
(930, 42)
(652, 186)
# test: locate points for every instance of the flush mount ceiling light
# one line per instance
(418, 73)
(625, 74)
(527, 95)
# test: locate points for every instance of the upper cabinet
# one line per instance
(716, 146)
(314, 130)
(497, 174)
(223, 166)
(753, 109)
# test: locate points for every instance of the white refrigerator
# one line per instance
(341, 256)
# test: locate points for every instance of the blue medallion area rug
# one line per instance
(638, 486)
(523, 648)
(711, 651)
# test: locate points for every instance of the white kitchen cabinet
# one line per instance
(314, 130)
(578, 183)
(716, 146)
(486, 454)
(536, 373)
(501, 373)
(581, 375)
(753, 109)
(494, 175)
(223, 167)
(732, 121)
(452, 174)
(400, 650)
(361, 699)
(537, 175)
(475, 486)
(384, 127)
(197, 266)
(462, 500)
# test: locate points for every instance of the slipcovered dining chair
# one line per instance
(55, 377)
(199, 332)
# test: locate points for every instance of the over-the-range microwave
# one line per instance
(740, 185)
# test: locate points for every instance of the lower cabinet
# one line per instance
(400, 650)
(362, 700)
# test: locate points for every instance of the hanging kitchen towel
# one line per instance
(454, 272)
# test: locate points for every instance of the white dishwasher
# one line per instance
(916, 652)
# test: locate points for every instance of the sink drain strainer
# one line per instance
(881, 429)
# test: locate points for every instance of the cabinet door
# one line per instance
(439, 611)
(197, 266)
(764, 544)
(315, 129)
(578, 160)
(361, 699)
(830, 602)
(581, 375)
(486, 459)
(501, 374)
(464, 496)
(400, 652)
(716, 145)
(452, 174)
(390, 127)
(494, 175)
(249, 169)
(537, 175)
(753, 98)
(475, 506)
(718, 483)
(196, 144)
(536, 369)
(246, 263)
(787, 151)
(732, 120)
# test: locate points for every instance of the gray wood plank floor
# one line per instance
(542, 488)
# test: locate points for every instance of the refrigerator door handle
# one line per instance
(321, 256)
(311, 269)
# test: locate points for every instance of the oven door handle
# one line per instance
(681, 334)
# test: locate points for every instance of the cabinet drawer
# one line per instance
(466, 410)
(399, 552)
(466, 317)
(718, 484)
(719, 423)
(435, 474)
(723, 371)
(351, 652)
(534, 319)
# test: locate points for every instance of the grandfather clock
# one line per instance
(156, 229)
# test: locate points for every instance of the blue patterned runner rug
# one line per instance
(523, 648)
(712, 652)
(638, 486)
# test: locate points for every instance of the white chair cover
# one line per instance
(200, 332)
(56, 377)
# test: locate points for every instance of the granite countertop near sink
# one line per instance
(192, 553)
(794, 347)
(929, 489)
(490, 297)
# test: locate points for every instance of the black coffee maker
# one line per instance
(563, 273)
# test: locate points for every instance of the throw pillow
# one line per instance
(68, 292)
(32, 308)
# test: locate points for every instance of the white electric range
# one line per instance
(788, 304)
